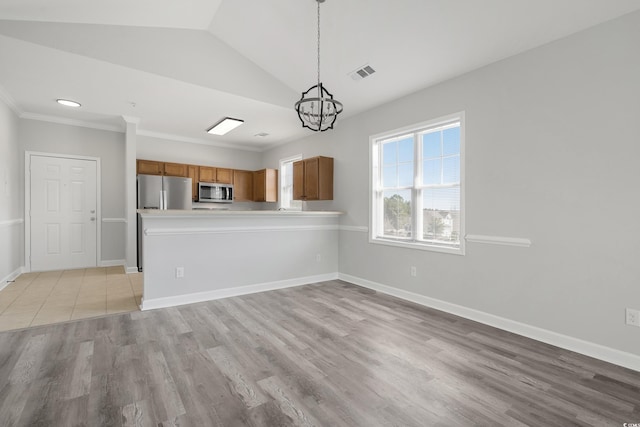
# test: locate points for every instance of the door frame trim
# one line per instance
(27, 202)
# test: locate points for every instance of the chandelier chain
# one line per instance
(318, 43)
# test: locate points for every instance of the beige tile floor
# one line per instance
(58, 296)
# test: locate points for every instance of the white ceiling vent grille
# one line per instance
(362, 72)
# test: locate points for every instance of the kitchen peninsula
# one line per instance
(193, 256)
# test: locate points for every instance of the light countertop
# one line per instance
(177, 213)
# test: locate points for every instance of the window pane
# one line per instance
(390, 176)
(451, 141)
(389, 153)
(405, 150)
(405, 176)
(451, 170)
(441, 198)
(441, 215)
(431, 146)
(431, 171)
(286, 186)
(397, 213)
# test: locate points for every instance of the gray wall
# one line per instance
(11, 208)
(39, 136)
(151, 148)
(552, 146)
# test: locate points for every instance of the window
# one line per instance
(418, 185)
(286, 184)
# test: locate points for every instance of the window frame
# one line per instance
(376, 190)
(281, 183)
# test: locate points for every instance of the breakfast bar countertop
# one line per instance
(176, 213)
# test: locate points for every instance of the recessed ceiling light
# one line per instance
(225, 125)
(261, 134)
(68, 103)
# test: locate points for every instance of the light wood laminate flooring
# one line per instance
(329, 354)
(58, 296)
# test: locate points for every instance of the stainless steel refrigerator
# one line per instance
(161, 192)
(164, 192)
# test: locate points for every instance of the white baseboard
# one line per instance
(112, 262)
(11, 277)
(597, 351)
(150, 304)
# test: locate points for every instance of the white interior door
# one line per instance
(63, 213)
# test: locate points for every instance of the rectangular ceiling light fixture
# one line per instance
(225, 125)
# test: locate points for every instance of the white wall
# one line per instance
(552, 146)
(11, 216)
(48, 137)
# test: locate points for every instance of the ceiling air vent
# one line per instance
(362, 72)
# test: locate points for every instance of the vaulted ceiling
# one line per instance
(181, 66)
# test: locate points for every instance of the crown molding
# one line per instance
(11, 103)
(131, 120)
(71, 122)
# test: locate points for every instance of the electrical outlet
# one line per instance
(633, 317)
(414, 273)
(179, 272)
(318, 258)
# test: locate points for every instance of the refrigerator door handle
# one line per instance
(163, 196)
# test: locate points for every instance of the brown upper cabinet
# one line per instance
(211, 174)
(313, 179)
(150, 167)
(242, 186)
(265, 185)
(224, 176)
(176, 169)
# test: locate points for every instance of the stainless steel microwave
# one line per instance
(212, 192)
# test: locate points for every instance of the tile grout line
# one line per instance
(19, 294)
(75, 302)
(45, 300)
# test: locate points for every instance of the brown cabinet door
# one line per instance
(313, 179)
(259, 179)
(271, 185)
(193, 172)
(224, 176)
(176, 169)
(298, 180)
(325, 178)
(207, 174)
(150, 167)
(242, 186)
(265, 185)
(311, 183)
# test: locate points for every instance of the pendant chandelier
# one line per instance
(317, 109)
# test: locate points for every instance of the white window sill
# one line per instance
(416, 245)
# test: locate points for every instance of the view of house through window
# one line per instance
(417, 184)
(286, 184)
